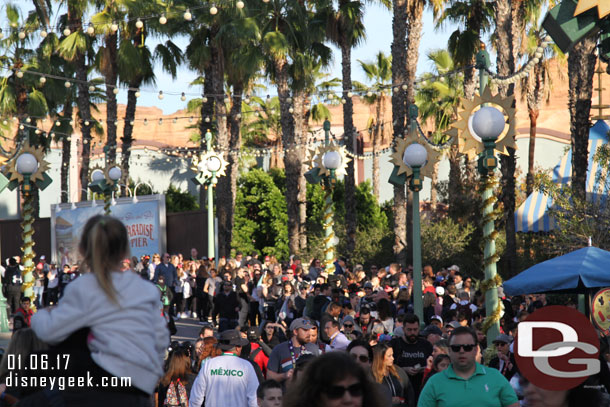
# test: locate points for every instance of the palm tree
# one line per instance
(581, 67)
(136, 68)
(243, 59)
(474, 18)
(399, 118)
(75, 48)
(292, 39)
(379, 73)
(437, 99)
(346, 30)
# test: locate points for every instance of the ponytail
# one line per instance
(104, 245)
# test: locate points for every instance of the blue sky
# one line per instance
(378, 22)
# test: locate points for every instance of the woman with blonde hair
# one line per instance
(392, 378)
(105, 314)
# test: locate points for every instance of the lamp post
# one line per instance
(327, 163)
(26, 170)
(488, 123)
(105, 182)
(416, 156)
(209, 167)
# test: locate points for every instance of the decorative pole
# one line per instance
(105, 182)
(327, 162)
(26, 170)
(28, 242)
(329, 216)
(208, 143)
(208, 168)
(416, 156)
(486, 165)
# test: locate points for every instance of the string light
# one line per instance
(213, 10)
(139, 23)
(187, 15)
(162, 19)
(21, 35)
(67, 32)
(90, 30)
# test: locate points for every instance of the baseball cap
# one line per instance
(253, 334)
(368, 284)
(503, 338)
(230, 339)
(43, 257)
(440, 291)
(454, 268)
(454, 324)
(301, 323)
(437, 317)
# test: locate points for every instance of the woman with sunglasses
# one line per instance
(332, 380)
(394, 380)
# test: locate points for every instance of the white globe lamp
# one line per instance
(97, 175)
(332, 160)
(415, 155)
(27, 164)
(114, 173)
(488, 123)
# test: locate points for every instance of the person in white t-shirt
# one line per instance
(226, 380)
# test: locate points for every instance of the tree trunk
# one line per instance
(506, 66)
(110, 71)
(349, 136)
(127, 139)
(581, 66)
(291, 157)
(234, 124)
(223, 188)
(529, 182)
(470, 82)
(414, 16)
(75, 22)
(65, 153)
(399, 115)
(301, 121)
(434, 186)
(454, 188)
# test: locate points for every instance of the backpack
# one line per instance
(176, 395)
(465, 310)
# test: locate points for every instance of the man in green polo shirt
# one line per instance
(466, 383)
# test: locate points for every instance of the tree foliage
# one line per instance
(260, 216)
(444, 241)
(179, 201)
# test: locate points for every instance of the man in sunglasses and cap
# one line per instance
(226, 380)
(466, 382)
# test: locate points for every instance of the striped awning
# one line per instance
(532, 215)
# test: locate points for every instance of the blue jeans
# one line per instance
(38, 291)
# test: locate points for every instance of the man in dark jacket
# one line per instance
(226, 306)
(11, 284)
(505, 360)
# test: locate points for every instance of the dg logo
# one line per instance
(557, 348)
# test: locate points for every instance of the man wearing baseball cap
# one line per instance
(284, 356)
(226, 380)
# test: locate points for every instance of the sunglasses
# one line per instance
(348, 325)
(467, 348)
(336, 392)
(361, 358)
(500, 343)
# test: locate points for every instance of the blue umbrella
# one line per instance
(584, 268)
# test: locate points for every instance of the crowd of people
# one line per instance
(274, 333)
